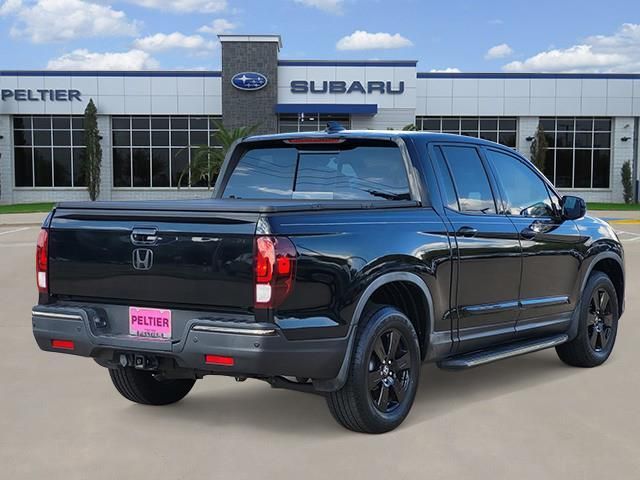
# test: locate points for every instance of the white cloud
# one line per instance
(219, 26)
(62, 20)
(83, 59)
(445, 70)
(172, 41)
(10, 6)
(330, 6)
(184, 6)
(498, 51)
(619, 52)
(495, 21)
(361, 40)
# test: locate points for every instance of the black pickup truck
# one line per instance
(336, 263)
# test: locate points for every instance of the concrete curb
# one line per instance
(18, 225)
(22, 219)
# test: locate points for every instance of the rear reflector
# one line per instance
(218, 360)
(63, 344)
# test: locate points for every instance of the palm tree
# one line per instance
(206, 161)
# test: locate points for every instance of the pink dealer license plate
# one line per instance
(150, 322)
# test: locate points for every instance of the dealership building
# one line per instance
(151, 122)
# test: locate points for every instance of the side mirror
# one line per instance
(573, 208)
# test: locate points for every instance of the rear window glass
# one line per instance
(472, 185)
(348, 171)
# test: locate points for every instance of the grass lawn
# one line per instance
(26, 208)
(612, 206)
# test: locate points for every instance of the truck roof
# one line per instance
(374, 134)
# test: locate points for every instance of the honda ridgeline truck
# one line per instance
(336, 263)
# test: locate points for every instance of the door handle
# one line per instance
(467, 232)
(144, 236)
(527, 233)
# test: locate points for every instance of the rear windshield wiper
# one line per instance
(389, 195)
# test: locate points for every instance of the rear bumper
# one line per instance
(257, 349)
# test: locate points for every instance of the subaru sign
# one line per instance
(339, 86)
(249, 81)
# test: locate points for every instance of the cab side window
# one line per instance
(470, 179)
(525, 192)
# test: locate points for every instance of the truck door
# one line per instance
(550, 245)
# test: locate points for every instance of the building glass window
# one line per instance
(155, 151)
(310, 122)
(579, 151)
(48, 151)
(495, 129)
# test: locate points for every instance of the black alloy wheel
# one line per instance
(597, 324)
(389, 370)
(384, 373)
(600, 320)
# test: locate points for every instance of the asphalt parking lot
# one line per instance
(530, 417)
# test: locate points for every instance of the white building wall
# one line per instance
(528, 97)
(106, 169)
(6, 160)
(527, 127)
(394, 118)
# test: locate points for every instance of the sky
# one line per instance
(453, 35)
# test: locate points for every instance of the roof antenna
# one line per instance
(334, 127)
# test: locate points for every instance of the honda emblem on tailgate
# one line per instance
(142, 259)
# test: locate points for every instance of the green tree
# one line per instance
(93, 152)
(627, 182)
(539, 148)
(206, 161)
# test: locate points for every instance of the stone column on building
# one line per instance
(250, 53)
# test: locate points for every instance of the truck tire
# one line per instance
(597, 327)
(383, 374)
(142, 387)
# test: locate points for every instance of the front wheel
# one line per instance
(598, 325)
(142, 387)
(383, 375)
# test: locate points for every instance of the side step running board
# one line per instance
(482, 357)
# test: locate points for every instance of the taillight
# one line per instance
(275, 264)
(42, 261)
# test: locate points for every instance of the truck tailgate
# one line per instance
(150, 256)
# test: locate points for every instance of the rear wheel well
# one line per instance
(410, 300)
(613, 270)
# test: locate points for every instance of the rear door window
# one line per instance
(470, 179)
(352, 170)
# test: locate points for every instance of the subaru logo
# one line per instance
(142, 259)
(249, 81)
